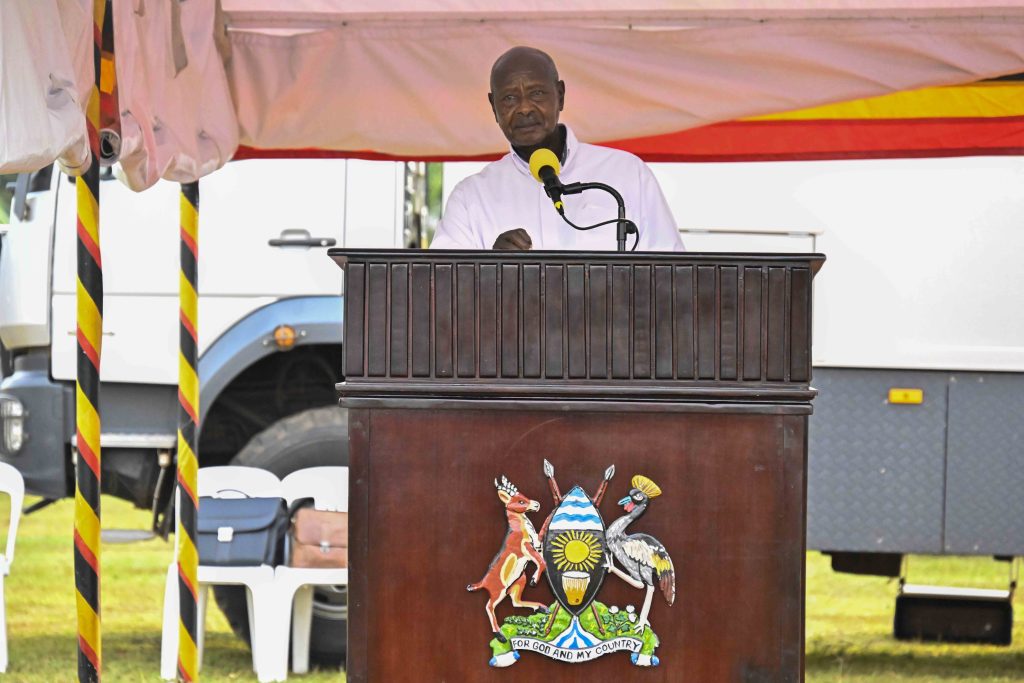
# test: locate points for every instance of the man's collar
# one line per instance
(570, 152)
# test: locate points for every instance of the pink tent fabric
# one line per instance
(409, 78)
(418, 87)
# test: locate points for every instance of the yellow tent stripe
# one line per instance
(188, 383)
(87, 523)
(88, 211)
(186, 456)
(187, 654)
(188, 556)
(189, 299)
(88, 420)
(107, 75)
(188, 464)
(984, 100)
(89, 319)
(88, 624)
(92, 111)
(189, 218)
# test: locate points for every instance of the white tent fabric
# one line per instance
(409, 78)
(45, 78)
(177, 118)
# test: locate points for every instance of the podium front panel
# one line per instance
(467, 372)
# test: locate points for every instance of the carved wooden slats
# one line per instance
(425, 318)
(509, 330)
(487, 338)
(664, 342)
(399, 320)
(753, 286)
(728, 285)
(776, 331)
(466, 335)
(355, 304)
(643, 341)
(554, 323)
(576, 320)
(620, 322)
(707, 322)
(531, 315)
(685, 329)
(422, 294)
(800, 325)
(376, 321)
(443, 330)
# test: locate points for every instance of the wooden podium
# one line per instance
(691, 370)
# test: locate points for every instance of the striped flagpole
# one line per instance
(87, 415)
(188, 419)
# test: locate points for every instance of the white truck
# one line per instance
(919, 292)
(264, 229)
(916, 444)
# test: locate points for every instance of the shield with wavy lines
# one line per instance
(574, 550)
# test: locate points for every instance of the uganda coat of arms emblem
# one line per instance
(576, 551)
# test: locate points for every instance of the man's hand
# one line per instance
(514, 240)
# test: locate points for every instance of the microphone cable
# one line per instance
(636, 230)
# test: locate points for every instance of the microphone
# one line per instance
(545, 168)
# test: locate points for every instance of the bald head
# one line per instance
(522, 58)
(527, 97)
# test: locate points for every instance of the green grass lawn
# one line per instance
(849, 627)
(41, 617)
(849, 619)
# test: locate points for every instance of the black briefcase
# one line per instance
(238, 532)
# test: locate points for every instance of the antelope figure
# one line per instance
(507, 573)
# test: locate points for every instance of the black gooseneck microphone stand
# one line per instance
(622, 226)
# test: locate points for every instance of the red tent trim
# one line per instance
(777, 140)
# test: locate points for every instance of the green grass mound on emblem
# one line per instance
(616, 623)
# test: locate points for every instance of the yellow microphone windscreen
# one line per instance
(541, 158)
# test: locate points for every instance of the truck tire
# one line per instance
(314, 437)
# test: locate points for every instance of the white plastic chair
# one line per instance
(227, 482)
(328, 487)
(13, 485)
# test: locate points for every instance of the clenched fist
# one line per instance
(514, 240)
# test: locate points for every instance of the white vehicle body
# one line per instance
(355, 203)
(922, 266)
(921, 290)
(257, 269)
(922, 253)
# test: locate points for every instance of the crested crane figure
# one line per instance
(643, 557)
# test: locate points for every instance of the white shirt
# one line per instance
(504, 196)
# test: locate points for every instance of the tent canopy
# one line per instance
(408, 79)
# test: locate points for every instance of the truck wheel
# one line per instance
(314, 437)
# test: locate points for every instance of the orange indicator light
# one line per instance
(284, 337)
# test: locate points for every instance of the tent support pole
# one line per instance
(87, 389)
(188, 420)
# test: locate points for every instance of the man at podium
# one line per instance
(505, 207)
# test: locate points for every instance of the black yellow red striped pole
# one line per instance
(110, 117)
(188, 418)
(87, 389)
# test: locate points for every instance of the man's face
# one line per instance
(526, 102)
